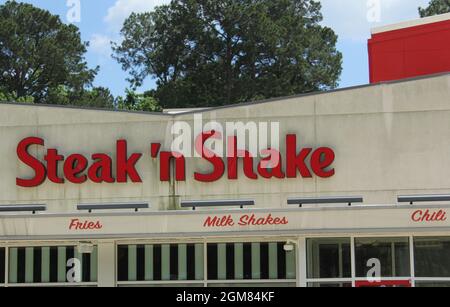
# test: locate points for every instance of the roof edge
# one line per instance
(238, 105)
(411, 23)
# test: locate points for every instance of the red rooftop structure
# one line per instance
(410, 49)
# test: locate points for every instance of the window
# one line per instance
(328, 258)
(432, 257)
(160, 262)
(250, 261)
(389, 255)
(54, 264)
(2, 265)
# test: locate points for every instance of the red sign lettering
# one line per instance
(421, 216)
(78, 169)
(74, 167)
(244, 220)
(76, 224)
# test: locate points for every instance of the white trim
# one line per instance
(6, 266)
(159, 282)
(329, 280)
(252, 281)
(208, 282)
(412, 261)
(205, 262)
(199, 211)
(55, 284)
(302, 265)
(441, 279)
(353, 260)
(411, 23)
(403, 278)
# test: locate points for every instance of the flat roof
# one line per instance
(412, 23)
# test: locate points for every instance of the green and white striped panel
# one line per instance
(50, 265)
(252, 261)
(160, 262)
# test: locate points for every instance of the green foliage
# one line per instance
(8, 97)
(39, 54)
(218, 52)
(97, 97)
(435, 7)
(138, 102)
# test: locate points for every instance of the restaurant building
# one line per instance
(342, 188)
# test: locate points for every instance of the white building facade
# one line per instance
(100, 198)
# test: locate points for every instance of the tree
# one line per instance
(39, 54)
(138, 102)
(11, 97)
(6, 97)
(435, 7)
(218, 52)
(97, 97)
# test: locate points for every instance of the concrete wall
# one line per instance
(389, 139)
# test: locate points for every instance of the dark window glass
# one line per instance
(212, 261)
(390, 254)
(247, 255)
(230, 261)
(122, 255)
(140, 262)
(37, 265)
(432, 257)
(190, 262)
(329, 258)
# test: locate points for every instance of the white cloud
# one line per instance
(123, 8)
(100, 44)
(349, 17)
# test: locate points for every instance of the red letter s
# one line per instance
(26, 158)
(211, 157)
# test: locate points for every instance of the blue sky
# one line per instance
(100, 22)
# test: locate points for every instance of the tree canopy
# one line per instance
(218, 52)
(435, 7)
(138, 102)
(97, 97)
(39, 54)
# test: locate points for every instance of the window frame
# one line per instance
(34, 244)
(205, 282)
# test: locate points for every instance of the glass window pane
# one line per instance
(432, 257)
(250, 261)
(329, 258)
(160, 262)
(56, 264)
(390, 256)
(2, 265)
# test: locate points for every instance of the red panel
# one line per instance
(410, 52)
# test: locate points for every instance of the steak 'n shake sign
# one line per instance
(60, 167)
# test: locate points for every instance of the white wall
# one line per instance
(389, 139)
